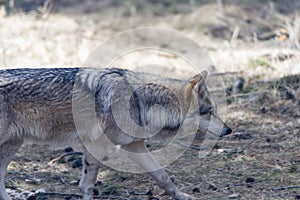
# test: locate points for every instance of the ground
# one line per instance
(260, 160)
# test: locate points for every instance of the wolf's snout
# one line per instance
(225, 131)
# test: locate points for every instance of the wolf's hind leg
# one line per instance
(89, 175)
(140, 155)
(7, 152)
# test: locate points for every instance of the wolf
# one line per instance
(88, 108)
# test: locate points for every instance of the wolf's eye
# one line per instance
(207, 110)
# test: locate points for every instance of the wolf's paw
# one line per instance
(183, 196)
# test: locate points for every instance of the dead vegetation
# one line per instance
(255, 40)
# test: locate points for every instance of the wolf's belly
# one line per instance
(43, 123)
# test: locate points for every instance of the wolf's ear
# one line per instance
(197, 81)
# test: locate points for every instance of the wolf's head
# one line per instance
(203, 108)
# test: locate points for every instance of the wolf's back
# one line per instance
(44, 85)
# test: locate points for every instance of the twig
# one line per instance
(191, 146)
(286, 187)
(247, 145)
(244, 95)
(64, 155)
(226, 73)
(42, 194)
(234, 151)
(47, 7)
(235, 34)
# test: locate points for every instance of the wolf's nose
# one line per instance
(226, 130)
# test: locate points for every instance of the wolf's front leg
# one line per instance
(89, 175)
(164, 181)
(138, 153)
(7, 152)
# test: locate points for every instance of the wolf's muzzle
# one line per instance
(225, 131)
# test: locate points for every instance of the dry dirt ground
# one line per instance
(260, 160)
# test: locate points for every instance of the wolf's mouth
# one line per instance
(225, 131)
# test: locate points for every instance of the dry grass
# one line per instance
(263, 152)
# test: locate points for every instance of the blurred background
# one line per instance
(254, 46)
(257, 36)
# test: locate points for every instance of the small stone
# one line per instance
(263, 110)
(130, 191)
(152, 198)
(283, 109)
(96, 191)
(69, 149)
(227, 187)
(242, 136)
(68, 197)
(269, 139)
(74, 182)
(297, 196)
(122, 178)
(32, 180)
(212, 187)
(249, 180)
(26, 195)
(238, 85)
(98, 183)
(125, 193)
(76, 163)
(234, 196)
(31, 198)
(196, 190)
(40, 191)
(289, 95)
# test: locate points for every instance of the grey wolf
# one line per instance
(38, 105)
